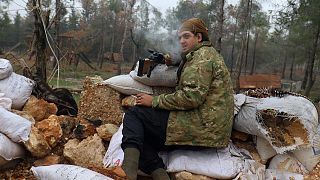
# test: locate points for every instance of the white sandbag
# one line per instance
(264, 149)
(126, 85)
(310, 157)
(252, 171)
(288, 163)
(15, 127)
(224, 163)
(239, 100)
(5, 102)
(18, 88)
(245, 121)
(161, 75)
(272, 174)
(66, 172)
(5, 68)
(114, 155)
(9, 150)
(297, 115)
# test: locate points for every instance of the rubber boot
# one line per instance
(131, 162)
(160, 174)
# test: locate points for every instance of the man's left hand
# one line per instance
(144, 99)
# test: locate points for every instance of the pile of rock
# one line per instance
(52, 139)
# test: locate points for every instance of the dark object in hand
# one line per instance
(148, 64)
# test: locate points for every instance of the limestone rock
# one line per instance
(98, 101)
(84, 129)
(67, 124)
(39, 108)
(25, 115)
(48, 160)
(184, 175)
(106, 131)
(85, 153)
(36, 143)
(50, 129)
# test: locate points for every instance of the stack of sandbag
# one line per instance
(14, 130)
(14, 86)
(222, 163)
(285, 131)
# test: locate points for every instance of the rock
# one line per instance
(184, 175)
(88, 152)
(48, 160)
(50, 129)
(39, 108)
(67, 124)
(98, 101)
(36, 143)
(84, 129)
(25, 115)
(106, 131)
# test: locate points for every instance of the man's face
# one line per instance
(188, 40)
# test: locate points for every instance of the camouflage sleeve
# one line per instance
(195, 83)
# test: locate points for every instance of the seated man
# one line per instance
(198, 114)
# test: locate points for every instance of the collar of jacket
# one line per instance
(188, 55)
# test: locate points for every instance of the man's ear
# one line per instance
(199, 36)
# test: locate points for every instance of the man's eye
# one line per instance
(186, 36)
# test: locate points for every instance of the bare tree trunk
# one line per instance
(57, 26)
(40, 38)
(249, 7)
(311, 78)
(127, 20)
(306, 72)
(102, 48)
(220, 22)
(113, 34)
(284, 64)
(233, 44)
(291, 68)
(254, 54)
(239, 66)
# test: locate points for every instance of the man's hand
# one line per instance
(144, 100)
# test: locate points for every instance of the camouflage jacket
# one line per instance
(201, 109)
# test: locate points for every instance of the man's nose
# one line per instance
(182, 40)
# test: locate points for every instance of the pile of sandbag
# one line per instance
(52, 139)
(14, 130)
(14, 86)
(222, 163)
(15, 90)
(285, 130)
